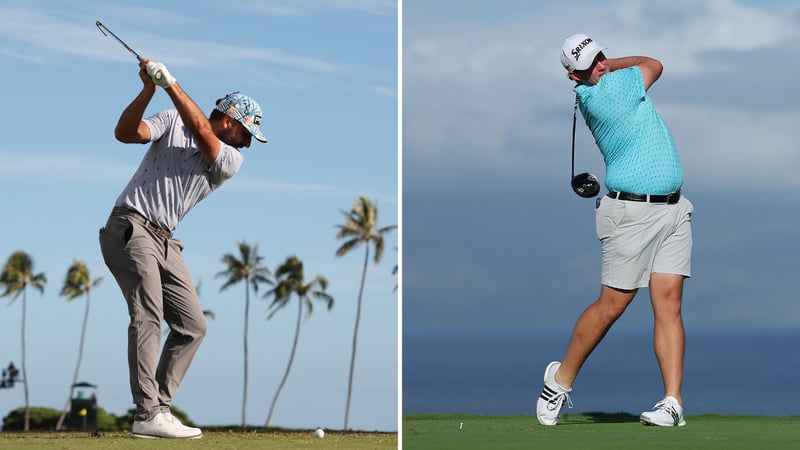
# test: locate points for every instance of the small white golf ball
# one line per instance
(319, 433)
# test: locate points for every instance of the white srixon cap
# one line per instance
(578, 52)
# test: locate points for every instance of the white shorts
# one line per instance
(639, 238)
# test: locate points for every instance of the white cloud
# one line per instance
(43, 168)
(721, 145)
(383, 90)
(306, 7)
(687, 34)
(491, 94)
(45, 33)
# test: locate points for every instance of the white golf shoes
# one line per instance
(164, 425)
(549, 404)
(666, 413)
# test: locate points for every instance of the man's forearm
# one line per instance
(651, 68)
(127, 129)
(196, 121)
(628, 61)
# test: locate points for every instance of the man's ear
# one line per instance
(227, 121)
(573, 77)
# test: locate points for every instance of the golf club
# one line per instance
(584, 184)
(108, 32)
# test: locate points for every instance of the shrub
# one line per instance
(38, 419)
(47, 418)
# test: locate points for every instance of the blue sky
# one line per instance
(325, 74)
(493, 236)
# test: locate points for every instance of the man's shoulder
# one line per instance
(165, 118)
(622, 75)
(621, 79)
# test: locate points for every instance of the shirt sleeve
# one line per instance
(228, 162)
(159, 123)
(638, 80)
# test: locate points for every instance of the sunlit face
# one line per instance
(592, 75)
(235, 134)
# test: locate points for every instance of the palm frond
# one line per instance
(361, 227)
(17, 274)
(347, 246)
(324, 296)
(247, 266)
(290, 281)
(378, 240)
(78, 280)
(387, 229)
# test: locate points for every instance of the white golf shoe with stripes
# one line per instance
(549, 404)
(666, 413)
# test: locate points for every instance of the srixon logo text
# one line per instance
(577, 50)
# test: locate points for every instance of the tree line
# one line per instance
(247, 266)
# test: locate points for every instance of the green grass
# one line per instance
(212, 439)
(598, 431)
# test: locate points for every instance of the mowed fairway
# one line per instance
(211, 440)
(598, 431)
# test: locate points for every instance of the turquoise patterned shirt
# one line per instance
(637, 147)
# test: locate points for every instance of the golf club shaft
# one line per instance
(574, 123)
(108, 32)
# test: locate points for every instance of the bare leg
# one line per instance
(669, 340)
(590, 329)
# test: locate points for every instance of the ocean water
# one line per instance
(726, 372)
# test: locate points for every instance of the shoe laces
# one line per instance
(668, 406)
(169, 418)
(557, 400)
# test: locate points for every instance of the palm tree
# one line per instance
(249, 269)
(360, 228)
(17, 275)
(289, 279)
(77, 283)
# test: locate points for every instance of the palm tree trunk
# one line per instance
(355, 342)
(77, 366)
(246, 323)
(63, 415)
(24, 366)
(289, 366)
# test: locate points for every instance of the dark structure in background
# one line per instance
(10, 376)
(83, 411)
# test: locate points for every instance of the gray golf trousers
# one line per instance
(156, 284)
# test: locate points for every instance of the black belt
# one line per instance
(669, 199)
(122, 211)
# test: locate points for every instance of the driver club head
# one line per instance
(585, 185)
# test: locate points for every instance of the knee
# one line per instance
(669, 307)
(195, 330)
(614, 302)
(201, 329)
(613, 311)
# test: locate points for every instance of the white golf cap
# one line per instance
(578, 52)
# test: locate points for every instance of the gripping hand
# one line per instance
(159, 74)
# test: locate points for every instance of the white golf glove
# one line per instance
(159, 74)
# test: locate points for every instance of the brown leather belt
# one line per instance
(669, 199)
(122, 211)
